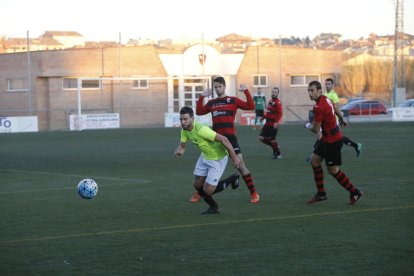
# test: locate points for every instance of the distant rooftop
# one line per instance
(61, 33)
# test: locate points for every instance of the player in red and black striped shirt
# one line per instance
(329, 146)
(272, 116)
(223, 110)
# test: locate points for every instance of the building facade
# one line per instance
(143, 84)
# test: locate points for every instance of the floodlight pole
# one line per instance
(204, 57)
(280, 63)
(257, 60)
(79, 105)
(29, 81)
(398, 76)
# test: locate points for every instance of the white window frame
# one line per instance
(139, 80)
(304, 81)
(99, 84)
(23, 83)
(259, 83)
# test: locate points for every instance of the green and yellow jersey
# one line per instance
(203, 138)
(332, 96)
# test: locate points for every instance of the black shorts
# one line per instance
(233, 141)
(259, 112)
(331, 152)
(268, 132)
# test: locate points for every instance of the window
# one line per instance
(72, 84)
(188, 92)
(303, 80)
(140, 83)
(260, 80)
(296, 80)
(91, 84)
(17, 84)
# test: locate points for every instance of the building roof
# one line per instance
(234, 37)
(60, 33)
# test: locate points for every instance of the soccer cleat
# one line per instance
(354, 197)
(277, 156)
(317, 199)
(358, 149)
(211, 211)
(254, 197)
(195, 198)
(236, 183)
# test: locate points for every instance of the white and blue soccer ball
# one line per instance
(87, 188)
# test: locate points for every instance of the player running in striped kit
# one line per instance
(223, 110)
(273, 116)
(329, 147)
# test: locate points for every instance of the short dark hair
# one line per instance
(317, 84)
(330, 79)
(187, 110)
(220, 80)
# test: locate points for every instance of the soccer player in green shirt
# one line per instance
(331, 94)
(259, 103)
(215, 149)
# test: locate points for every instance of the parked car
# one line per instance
(364, 107)
(405, 104)
(350, 100)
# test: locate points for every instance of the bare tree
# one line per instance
(374, 76)
(379, 76)
(409, 81)
(353, 79)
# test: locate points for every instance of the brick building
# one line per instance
(158, 82)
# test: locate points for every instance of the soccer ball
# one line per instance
(87, 188)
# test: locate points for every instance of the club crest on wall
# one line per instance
(202, 58)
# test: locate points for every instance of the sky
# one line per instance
(193, 19)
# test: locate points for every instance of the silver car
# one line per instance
(405, 104)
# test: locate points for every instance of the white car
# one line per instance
(405, 104)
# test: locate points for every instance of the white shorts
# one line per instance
(213, 169)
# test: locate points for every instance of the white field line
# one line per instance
(186, 226)
(119, 181)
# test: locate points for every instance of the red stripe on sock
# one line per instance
(249, 182)
(318, 176)
(344, 181)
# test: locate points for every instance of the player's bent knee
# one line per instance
(332, 170)
(315, 163)
(209, 189)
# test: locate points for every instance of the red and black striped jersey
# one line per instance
(273, 112)
(224, 110)
(324, 113)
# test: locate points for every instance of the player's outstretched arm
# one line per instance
(249, 103)
(208, 92)
(202, 109)
(180, 150)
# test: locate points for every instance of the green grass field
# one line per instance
(141, 222)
